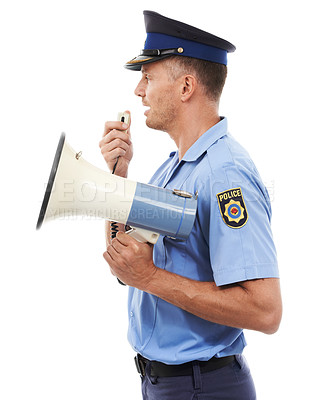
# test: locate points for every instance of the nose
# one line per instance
(140, 89)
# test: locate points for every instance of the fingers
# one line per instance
(115, 144)
(113, 256)
(118, 249)
(117, 245)
(125, 239)
(119, 138)
(114, 125)
(109, 260)
(117, 125)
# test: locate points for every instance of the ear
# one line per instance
(189, 84)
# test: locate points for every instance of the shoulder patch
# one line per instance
(232, 208)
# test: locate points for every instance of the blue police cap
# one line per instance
(167, 37)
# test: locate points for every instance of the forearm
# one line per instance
(231, 305)
(254, 304)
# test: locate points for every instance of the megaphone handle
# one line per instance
(114, 230)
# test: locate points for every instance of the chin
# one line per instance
(155, 123)
(150, 123)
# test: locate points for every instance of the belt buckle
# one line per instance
(140, 365)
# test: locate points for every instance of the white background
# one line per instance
(62, 315)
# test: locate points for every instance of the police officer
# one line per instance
(189, 301)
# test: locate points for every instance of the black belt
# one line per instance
(165, 370)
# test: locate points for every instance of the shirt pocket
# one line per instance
(175, 255)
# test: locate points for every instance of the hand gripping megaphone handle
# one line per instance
(142, 235)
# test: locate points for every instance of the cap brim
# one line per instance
(136, 63)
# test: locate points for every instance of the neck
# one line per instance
(190, 124)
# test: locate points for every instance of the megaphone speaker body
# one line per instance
(77, 188)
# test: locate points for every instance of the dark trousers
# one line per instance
(233, 382)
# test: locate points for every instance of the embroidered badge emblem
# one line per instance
(232, 208)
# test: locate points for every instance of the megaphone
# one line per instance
(77, 188)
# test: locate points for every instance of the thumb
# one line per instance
(129, 122)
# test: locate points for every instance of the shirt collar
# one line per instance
(206, 140)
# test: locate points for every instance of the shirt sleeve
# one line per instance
(239, 232)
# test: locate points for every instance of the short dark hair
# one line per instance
(212, 76)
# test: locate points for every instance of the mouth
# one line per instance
(146, 110)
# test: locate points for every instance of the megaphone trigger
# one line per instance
(142, 235)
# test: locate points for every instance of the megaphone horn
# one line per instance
(77, 188)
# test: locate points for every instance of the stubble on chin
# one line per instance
(164, 120)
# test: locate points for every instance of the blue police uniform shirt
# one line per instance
(216, 249)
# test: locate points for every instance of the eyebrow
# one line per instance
(145, 70)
